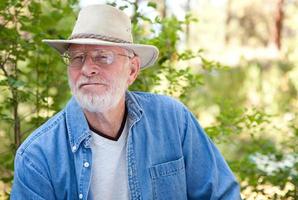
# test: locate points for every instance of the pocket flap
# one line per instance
(167, 168)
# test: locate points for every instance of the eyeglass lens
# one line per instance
(99, 57)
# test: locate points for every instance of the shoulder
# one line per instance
(162, 108)
(43, 135)
(41, 148)
(157, 100)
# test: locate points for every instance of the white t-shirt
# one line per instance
(109, 167)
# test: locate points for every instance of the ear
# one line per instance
(135, 66)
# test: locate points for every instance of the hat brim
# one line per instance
(147, 53)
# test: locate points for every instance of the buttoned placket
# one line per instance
(85, 160)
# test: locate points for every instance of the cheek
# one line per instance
(123, 77)
(73, 75)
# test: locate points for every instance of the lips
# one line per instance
(87, 84)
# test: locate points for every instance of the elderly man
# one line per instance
(109, 143)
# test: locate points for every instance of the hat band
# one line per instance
(97, 36)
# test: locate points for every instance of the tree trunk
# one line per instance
(278, 23)
(17, 125)
(164, 9)
(227, 21)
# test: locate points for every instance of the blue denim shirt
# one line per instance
(168, 154)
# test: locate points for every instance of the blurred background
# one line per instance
(233, 63)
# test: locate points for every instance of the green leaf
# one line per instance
(152, 4)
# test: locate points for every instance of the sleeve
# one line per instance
(207, 174)
(29, 183)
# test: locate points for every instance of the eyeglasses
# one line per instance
(100, 57)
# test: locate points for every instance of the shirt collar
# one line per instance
(77, 125)
(134, 109)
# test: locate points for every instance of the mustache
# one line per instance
(86, 81)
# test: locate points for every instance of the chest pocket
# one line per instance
(168, 180)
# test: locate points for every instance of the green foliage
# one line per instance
(165, 77)
(261, 148)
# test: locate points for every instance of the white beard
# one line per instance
(99, 103)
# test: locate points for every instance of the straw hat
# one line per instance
(105, 25)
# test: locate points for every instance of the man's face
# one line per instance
(99, 75)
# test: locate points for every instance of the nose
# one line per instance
(89, 68)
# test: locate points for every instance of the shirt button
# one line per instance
(81, 196)
(74, 148)
(86, 164)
